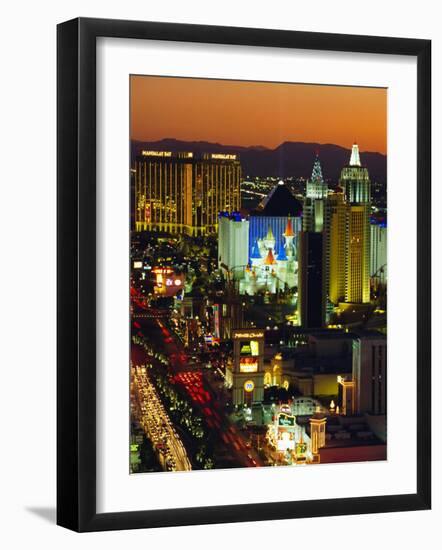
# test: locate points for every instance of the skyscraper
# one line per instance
(357, 287)
(355, 183)
(355, 180)
(378, 251)
(336, 245)
(311, 280)
(314, 202)
(233, 243)
(370, 372)
(184, 192)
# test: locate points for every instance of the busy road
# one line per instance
(156, 423)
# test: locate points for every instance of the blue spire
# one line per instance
(255, 252)
(281, 253)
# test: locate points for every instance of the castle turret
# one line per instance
(270, 258)
(255, 257)
(289, 236)
(269, 239)
(282, 256)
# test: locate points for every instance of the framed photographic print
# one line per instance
(233, 205)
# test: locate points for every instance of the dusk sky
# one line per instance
(257, 113)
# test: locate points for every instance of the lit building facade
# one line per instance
(355, 183)
(378, 251)
(336, 246)
(248, 367)
(233, 243)
(357, 288)
(184, 192)
(273, 235)
(315, 200)
(271, 269)
(355, 180)
(317, 431)
(274, 212)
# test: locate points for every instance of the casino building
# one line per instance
(274, 212)
(355, 182)
(184, 192)
(270, 269)
(233, 244)
(247, 374)
(261, 252)
(378, 252)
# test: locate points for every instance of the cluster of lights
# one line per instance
(157, 424)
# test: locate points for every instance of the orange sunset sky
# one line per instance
(257, 113)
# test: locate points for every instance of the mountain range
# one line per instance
(291, 158)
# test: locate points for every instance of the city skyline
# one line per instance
(253, 114)
(258, 283)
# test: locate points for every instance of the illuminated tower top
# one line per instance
(355, 159)
(355, 180)
(316, 186)
(317, 171)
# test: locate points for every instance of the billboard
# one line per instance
(286, 420)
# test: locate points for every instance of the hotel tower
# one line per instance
(355, 183)
(184, 192)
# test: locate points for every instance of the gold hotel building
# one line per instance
(355, 182)
(337, 245)
(347, 225)
(184, 192)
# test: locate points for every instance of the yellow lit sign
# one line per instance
(241, 335)
(254, 346)
(162, 270)
(221, 156)
(248, 367)
(156, 153)
(249, 386)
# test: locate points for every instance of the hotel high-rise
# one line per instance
(378, 252)
(370, 372)
(355, 183)
(184, 192)
(312, 253)
(311, 281)
(336, 245)
(314, 202)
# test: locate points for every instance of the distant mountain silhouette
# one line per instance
(288, 159)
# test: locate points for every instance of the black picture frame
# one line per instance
(76, 273)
